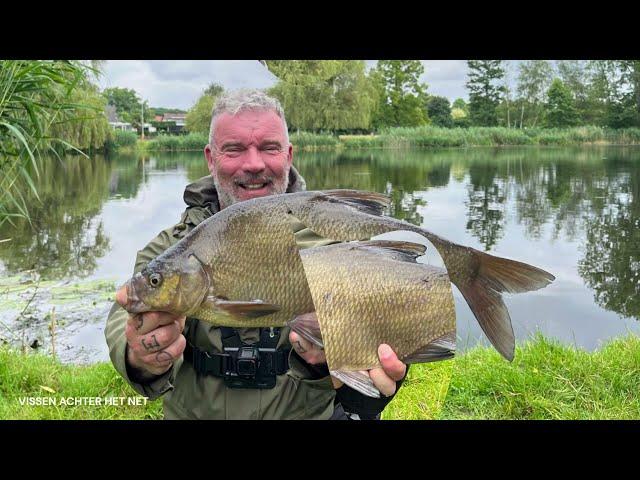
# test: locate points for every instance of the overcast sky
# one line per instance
(179, 83)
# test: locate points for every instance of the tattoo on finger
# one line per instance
(140, 322)
(151, 345)
(163, 357)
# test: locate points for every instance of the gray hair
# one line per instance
(236, 101)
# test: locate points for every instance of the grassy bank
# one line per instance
(428, 137)
(36, 375)
(420, 137)
(545, 381)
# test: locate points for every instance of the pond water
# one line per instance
(574, 212)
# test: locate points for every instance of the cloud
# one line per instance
(179, 83)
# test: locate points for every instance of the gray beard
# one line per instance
(226, 199)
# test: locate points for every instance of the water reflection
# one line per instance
(65, 236)
(611, 263)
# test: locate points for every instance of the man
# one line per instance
(210, 372)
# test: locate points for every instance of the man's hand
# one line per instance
(384, 378)
(154, 341)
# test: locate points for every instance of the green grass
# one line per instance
(36, 375)
(545, 381)
(438, 137)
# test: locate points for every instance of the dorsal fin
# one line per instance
(372, 203)
(398, 250)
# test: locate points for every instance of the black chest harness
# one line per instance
(242, 365)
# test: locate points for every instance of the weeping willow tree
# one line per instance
(324, 95)
(36, 98)
(86, 126)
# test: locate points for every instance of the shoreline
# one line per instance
(422, 138)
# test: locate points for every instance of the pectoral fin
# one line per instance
(242, 308)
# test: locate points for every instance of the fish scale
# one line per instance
(365, 297)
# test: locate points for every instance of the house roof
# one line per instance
(169, 117)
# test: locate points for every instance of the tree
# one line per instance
(533, 81)
(198, 118)
(34, 95)
(400, 93)
(484, 91)
(460, 113)
(128, 105)
(439, 111)
(630, 75)
(573, 75)
(560, 110)
(324, 95)
(86, 126)
(611, 95)
(461, 104)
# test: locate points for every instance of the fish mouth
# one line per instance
(128, 299)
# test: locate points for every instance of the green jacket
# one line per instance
(298, 394)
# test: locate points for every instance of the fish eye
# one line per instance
(155, 279)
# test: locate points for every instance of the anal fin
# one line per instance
(308, 327)
(441, 348)
(358, 380)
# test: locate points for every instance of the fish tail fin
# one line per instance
(482, 278)
(492, 315)
(372, 203)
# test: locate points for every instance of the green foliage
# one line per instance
(431, 136)
(199, 117)
(214, 90)
(121, 139)
(484, 91)
(439, 111)
(128, 105)
(533, 81)
(461, 104)
(313, 141)
(401, 96)
(86, 127)
(192, 141)
(560, 110)
(324, 95)
(35, 97)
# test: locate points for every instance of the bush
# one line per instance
(192, 141)
(313, 141)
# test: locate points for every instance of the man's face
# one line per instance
(250, 157)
